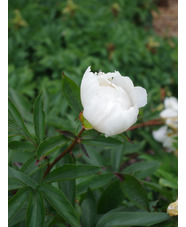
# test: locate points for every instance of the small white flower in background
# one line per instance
(167, 134)
(111, 102)
(170, 113)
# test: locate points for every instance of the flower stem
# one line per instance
(157, 121)
(69, 148)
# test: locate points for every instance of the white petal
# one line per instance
(168, 113)
(161, 134)
(123, 81)
(171, 103)
(172, 122)
(121, 121)
(168, 142)
(89, 84)
(139, 96)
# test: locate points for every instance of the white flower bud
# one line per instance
(111, 102)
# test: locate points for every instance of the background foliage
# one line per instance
(47, 38)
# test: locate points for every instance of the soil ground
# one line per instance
(166, 19)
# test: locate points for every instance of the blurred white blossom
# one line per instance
(170, 113)
(169, 132)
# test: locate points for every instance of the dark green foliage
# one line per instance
(39, 119)
(131, 219)
(35, 210)
(51, 44)
(134, 191)
(89, 210)
(60, 203)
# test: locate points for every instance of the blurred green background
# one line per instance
(48, 38)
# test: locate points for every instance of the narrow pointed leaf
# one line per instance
(94, 182)
(21, 103)
(20, 178)
(102, 141)
(70, 171)
(142, 169)
(49, 145)
(39, 119)
(89, 209)
(18, 120)
(84, 150)
(67, 134)
(35, 210)
(20, 146)
(132, 219)
(72, 93)
(19, 217)
(106, 201)
(134, 191)
(68, 187)
(15, 203)
(60, 203)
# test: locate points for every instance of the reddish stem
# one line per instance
(70, 148)
(148, 123)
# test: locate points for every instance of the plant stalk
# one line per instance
(69, 148)
(148, 123)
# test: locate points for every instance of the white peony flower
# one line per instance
(111, 102)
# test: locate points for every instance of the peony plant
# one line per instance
(66, 179)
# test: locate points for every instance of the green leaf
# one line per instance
(142, 169)
(15, 203)
(21, 146)
(94, 182)
(39, 118)
(116, 157)
(21, 103)
(35, 214)
(30, 167)
(132, 219)
(167, 183)
(106, 201)
(167, 179)
(60, 203)
(19, 217)
(14, 183)
(88, 208)
(129, 148)
(68, 186)
(134, 191)
(72, 93)
(20, 178)
(70, 171)
(50, 144)
(18, 120)
(102, 141)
